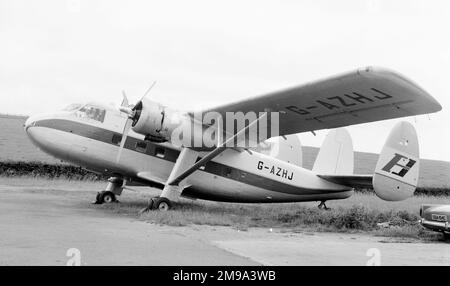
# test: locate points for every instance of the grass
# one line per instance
(15, 145)
(43, 170)
(359, 213)
(51, 183)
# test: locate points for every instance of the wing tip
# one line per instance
(433, 104)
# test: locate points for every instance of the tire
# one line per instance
(162, 204)
(98, 198)
(107, 197)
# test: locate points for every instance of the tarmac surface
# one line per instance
(39, 227)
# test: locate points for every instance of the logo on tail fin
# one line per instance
(399, 162)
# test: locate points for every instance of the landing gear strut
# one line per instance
(172, 190)
(113, 189)
(323, 206)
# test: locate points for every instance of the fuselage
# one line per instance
(89, 135)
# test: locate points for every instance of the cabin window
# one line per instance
(201, 167)
(92, 112)
(160, 152)
(116, 139)
(228, 172)
(141, 146)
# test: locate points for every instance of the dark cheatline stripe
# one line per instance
(106, 136)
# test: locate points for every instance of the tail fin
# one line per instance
(397, 171)
(287, 149)
(336, 154)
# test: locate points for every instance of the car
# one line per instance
(436, 217)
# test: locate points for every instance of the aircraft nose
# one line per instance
(28, 123)
(34, 133)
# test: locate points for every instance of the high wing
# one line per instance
(361, 96)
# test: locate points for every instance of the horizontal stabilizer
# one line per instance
(397, 170)
(354, 181)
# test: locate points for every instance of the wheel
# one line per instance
(162, 204)
(107, 197)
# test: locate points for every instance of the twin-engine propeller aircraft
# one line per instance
(213, 158)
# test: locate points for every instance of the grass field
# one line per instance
(360, 213)
(15, 145)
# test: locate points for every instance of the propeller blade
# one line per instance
(126, 129)
(124, 100)
(127, 110)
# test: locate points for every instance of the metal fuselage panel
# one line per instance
(232, 176)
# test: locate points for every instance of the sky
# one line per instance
(205, 53)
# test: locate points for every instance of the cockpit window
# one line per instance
(73, 107)
(92, 112)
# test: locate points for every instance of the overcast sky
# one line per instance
(203, 53)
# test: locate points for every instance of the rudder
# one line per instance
(336, 154)
(397, 170)
(286, 148)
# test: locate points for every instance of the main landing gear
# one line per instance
(323, 206)
(113, 189)
(158, 203)
(173, 189)
(105, 197)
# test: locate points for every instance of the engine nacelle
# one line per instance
(156, 121)
(159, 123)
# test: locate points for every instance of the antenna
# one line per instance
(150, 88)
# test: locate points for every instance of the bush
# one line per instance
(36, 169)
(357, 217)
(420, 191)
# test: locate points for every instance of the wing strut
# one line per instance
(219, 149)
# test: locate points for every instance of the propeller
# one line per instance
(130, 111)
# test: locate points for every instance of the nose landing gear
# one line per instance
(113, 189)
